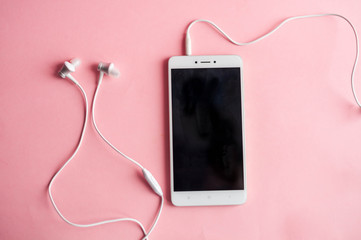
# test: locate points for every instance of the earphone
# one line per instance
(69, 67)
(111, 70)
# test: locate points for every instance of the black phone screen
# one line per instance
(207, 129)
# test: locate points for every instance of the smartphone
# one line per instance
(206, 130)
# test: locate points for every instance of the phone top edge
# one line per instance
(220, 55)
(205, 61)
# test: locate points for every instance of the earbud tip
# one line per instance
(76, 62)
(114, 72)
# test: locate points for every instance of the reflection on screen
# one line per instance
(207, 129)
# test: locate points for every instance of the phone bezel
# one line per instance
(205, 198)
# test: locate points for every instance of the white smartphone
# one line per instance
(206, 130)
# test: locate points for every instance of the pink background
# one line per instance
(303, 129)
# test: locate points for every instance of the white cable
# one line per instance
(97, 129)
(156, 219)
(72, 156)
(188, 43)
(122, 154)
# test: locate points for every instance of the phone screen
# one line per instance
(207, 129)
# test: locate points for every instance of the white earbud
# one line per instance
(69, 67)
(109, 69)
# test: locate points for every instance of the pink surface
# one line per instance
(303, 129)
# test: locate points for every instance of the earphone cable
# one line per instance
(122, 154)
(188, 43)
(71, 157)
(156, 219)
(97, 129)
